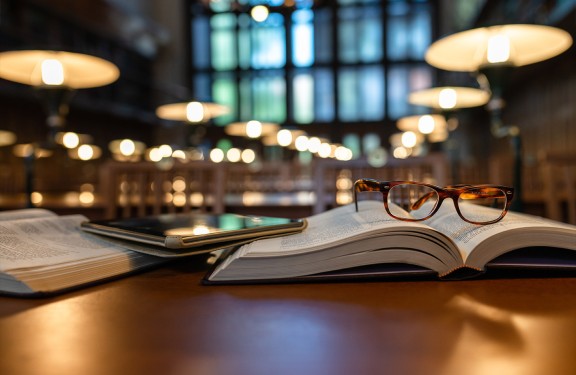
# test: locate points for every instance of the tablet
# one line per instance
(189, 230)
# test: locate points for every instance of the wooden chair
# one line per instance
(138, 189)
(558, 173)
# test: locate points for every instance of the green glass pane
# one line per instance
(223, 42)
(302, 38)
(303, 86)
(269, 98)
(244, 42)
(224, 144)
(352, 142)
(323, 44)
(372, 93)
(348, 95)
(223, 50)
(224, 92)
(348, 35)
(268, 47)
(370, 35)
(324, 94)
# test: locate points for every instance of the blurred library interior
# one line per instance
(123, 108)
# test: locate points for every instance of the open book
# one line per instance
(43, 253)
(342, 243)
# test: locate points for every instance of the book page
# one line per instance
(47, 241)
(28, 213)
(340, 225)
(469, 236)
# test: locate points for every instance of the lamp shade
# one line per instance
(191, 111)
(450, 97)
(424, 124)
(7, 138)
(524, 44)
(75, 70)
(252, 129)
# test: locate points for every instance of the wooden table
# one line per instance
(165, 322)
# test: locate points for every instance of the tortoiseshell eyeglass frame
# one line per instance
(452, 192)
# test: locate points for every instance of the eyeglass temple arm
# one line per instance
(356, 195)
(416, 205)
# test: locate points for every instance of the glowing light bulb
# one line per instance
(498, 49)
(70, 140)
(426, 124)
(284, 137)
(254, 129)
(127, 147)
(259, 13)
(85, 152)
(194, 112)
(52, 72)
(409, 139)
(447, 98)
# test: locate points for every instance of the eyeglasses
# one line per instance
(416, 201)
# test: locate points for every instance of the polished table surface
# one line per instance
(164, 322)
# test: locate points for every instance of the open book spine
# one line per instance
(462, 273)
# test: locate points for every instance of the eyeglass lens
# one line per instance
(416, 200)
(410, 201)
(471, 202)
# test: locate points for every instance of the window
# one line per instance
(344, 61)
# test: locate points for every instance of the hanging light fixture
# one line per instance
(493, 52)
(54, 75)
(252, 129)
(449, 97)
(192, 112)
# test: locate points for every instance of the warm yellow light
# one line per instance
(324, 150)
(52, 72)
(447, 98)
(314, 144)
(217, 155)
(178, 184)
(468, 50)
(85, 152)
(259, 13)
(498, 49)
(200, 230)
(194, 112)
(401, 152)
(301, 143)
(7, 138)
(127, 147)
(253, 129)
(450, 97)
(342, 153)
(26, 150)
(36, 198)
(409, 139)
(179, 154)
(248, 156)
(284, 137)
(86, 198)
(426, 124)
(165, 151)
(70, 140)
(154, 154)
(73, 70)
(233, 155)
